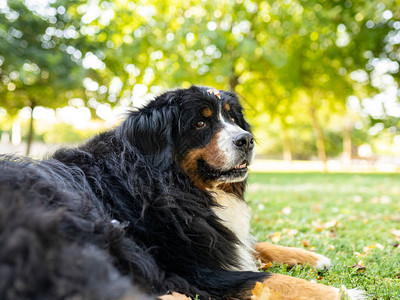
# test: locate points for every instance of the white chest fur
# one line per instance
(235, 215)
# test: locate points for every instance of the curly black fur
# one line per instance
(117, 217)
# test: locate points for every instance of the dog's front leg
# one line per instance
(291, 256)
(292, 288)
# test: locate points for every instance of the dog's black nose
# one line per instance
(244, 141)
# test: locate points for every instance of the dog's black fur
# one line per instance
(117, 217)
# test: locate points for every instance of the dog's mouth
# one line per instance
(213, 173)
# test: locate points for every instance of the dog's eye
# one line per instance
(200, 124)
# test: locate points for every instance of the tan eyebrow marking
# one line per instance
(207, 112)
(227, 107)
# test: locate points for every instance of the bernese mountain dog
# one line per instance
(152, 208)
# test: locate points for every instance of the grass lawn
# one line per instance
(350, 218)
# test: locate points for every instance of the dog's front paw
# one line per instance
(291, 256)
(322, 263)
(352, 294)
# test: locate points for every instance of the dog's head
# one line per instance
(199, 129)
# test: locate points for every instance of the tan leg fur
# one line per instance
(292, 288)
(291, 256)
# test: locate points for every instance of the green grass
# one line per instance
(340, 215)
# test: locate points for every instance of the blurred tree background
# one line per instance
(318, 79)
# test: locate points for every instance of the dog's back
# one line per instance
(43, 252)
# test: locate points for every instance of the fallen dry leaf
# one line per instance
(290, 232)
(287, 210)
(262, 292)
(275, 237)
(330, 224)
(306, 243)
(396, 233)
(395, 218)
(265, 266)
(316, 207)
(360, 267)
(319, 226)
(368, 249)
(381, 200)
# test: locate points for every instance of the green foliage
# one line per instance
(65, 133)
(287, 59)
(34, 70)
(303, 143)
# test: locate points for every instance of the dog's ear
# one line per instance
(149, 131)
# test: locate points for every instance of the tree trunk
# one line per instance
(286, 143)
(233, 82)
(31, 131)
(347, 142)
(319, 136)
